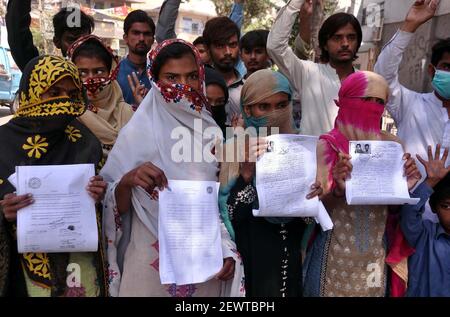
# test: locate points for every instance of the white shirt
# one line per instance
(233, 106)
(420, 117)
(317, 84)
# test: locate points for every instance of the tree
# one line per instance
(255, 12)
(38, 39)
(258, 14)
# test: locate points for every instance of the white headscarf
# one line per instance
(147, 138)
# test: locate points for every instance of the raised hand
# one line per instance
(138, 89)
(435, 167)
(307, 8)
(305, 15)
(420, 12)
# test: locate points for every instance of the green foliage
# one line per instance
(329, 7)
(38, 39)
(256, 12)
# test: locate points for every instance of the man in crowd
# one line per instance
(139, 32)
(421, 118)
(253, 51)
(317, 83)
(200, 44)
(222, 36)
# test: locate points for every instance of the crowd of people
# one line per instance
(90, 107)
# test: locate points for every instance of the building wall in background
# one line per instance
(413, 71)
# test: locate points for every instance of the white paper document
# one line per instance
(190, 247)
(62, 218)
(284, 175)
(378, 174)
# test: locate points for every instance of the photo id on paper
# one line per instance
(377, 177)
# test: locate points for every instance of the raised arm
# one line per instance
(237, 13)
(165, 28)
(411, 222)
(278, 43)
(388, 62)
(302, 44)
(20, 39)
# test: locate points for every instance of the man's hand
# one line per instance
(341, 171)
(435, 167)
(138, 89)
(305, 16)
(12, 203)
(420, 12)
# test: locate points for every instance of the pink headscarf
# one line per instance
(357, 119)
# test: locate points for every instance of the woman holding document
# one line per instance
(143, 160)
(350, 259)
(270, 247)
(45, 131)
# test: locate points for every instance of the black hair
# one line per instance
(62, 22)
(199, 41)
(138, 16)
(213, 77)
(333, 24)
(254, 39)
(439, 49)
(218, 30)
(441, 192)
(172, 51)
(92, 48)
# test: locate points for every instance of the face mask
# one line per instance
(94, 85)
(360, 114)
(175, 92)
(441, 83)
(219, 115)
(256, 123)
